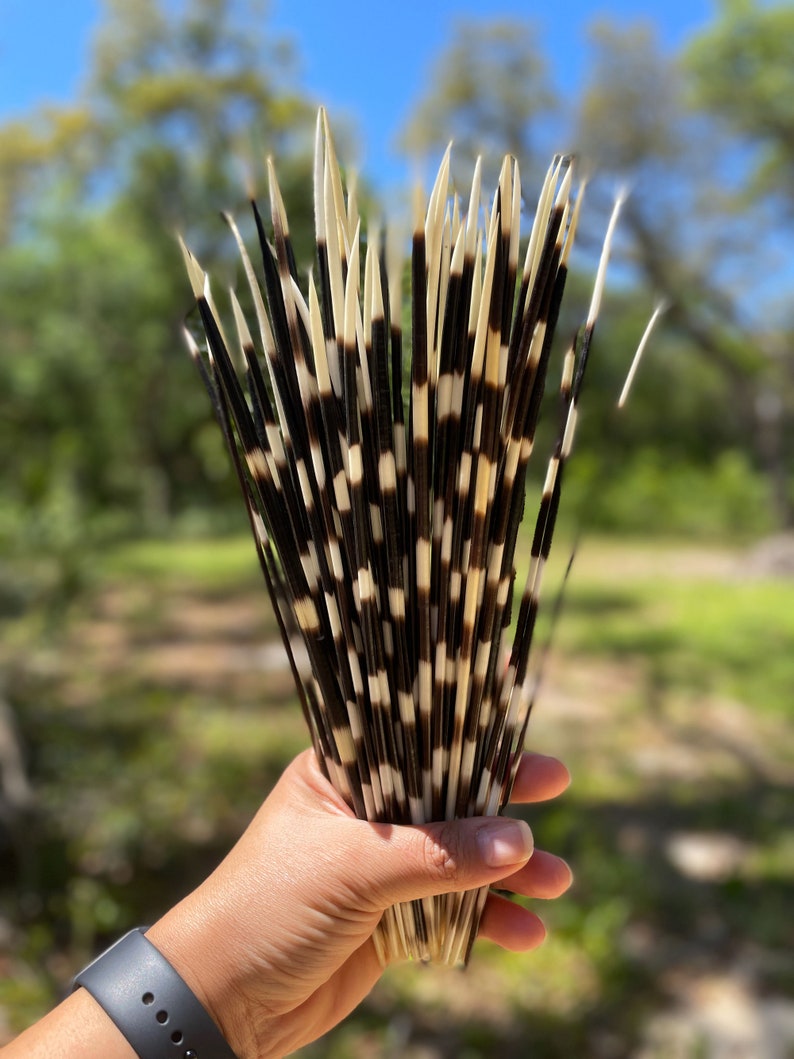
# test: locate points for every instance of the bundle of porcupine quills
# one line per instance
(386, 516)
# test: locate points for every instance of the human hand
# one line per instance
(277, 942)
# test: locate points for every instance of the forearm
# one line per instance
(276, 944)
(79, 1027)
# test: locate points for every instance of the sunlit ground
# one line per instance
(156, 722)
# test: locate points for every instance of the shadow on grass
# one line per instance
(143, 789)
(128, 821)
(666, 926)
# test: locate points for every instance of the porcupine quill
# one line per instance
(387, 545)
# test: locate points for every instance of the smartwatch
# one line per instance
(150, 1002)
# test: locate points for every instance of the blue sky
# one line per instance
(44, 47)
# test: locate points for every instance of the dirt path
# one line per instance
(661, 785)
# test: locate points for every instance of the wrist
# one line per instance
(152, 1005)
(207, 959)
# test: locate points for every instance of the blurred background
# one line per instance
(145, 703)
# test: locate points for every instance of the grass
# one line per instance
(154, 724)
(694, 621)
(204, 565)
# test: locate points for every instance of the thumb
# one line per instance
(405, 863)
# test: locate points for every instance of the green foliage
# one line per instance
(644, 492)
(743, 73)
(701, 232)
(489, 94)
(101, 406)
(625, 117)
(109, 428)
(719, 376)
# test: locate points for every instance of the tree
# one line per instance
(490, 96)
(101, 402)
(699, 230)
(743, 74)
(642, 122)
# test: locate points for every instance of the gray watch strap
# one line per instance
(150, 1003)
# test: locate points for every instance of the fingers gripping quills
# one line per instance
(455, 855)
(539, 778)
(462, 853)
(388, 540)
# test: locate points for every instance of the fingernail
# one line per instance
(504, 842)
